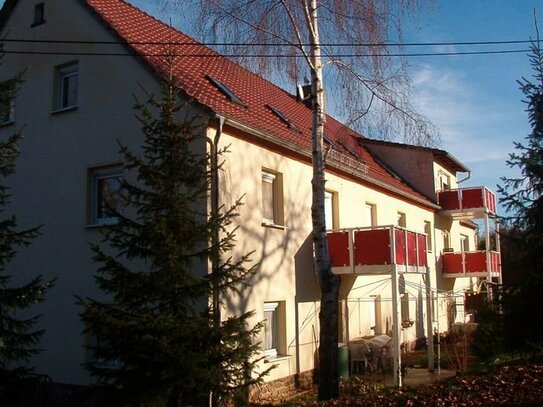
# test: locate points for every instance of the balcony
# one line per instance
(467, 203)
(471, 264)
(376, 250)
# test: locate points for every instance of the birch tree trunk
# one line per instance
(328, 316)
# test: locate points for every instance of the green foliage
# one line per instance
(158, 343)
(487, 339)
(522, 196)
(18, 337)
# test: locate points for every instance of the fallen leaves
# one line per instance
(504, 385)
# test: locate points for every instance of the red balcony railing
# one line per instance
(376, 250)
(470, 264)
(469, 201)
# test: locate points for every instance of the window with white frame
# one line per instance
(7, 103)
(428, 231)
(66, 86)
(274, 328)
(401, 220)
(106, 199)
(330, 210)
(406, 317)
(370, 214)
(446, 241)
(464, 243)
(444, 181)
(39, 14)
(272, 198)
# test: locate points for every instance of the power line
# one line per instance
(237, 55)
(352, 44)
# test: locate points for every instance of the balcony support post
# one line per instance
(429, 319)
(488, 265)
(396, 323)
(498, 248)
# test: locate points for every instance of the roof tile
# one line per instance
(154, 41)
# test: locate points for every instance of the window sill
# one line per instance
(64, 109)
(37, 23)
(277, 358)
(273, 226)
(101, 225)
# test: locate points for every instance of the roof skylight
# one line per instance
(349, 149)
(284, 118)
(226, 91)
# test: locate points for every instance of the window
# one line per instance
(7, 103)
(406, 318)
(428, 231)
(96, 344)
(39, 14)
(283, 117)
(401, 220)
(370, 214)
(67, 83)
(226, 91)
(330, 210)
(274, 328)
(106, 194)
(272, 198)
(464, 243)
(444, 182)
(446, 242)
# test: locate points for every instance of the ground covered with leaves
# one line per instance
(509, 385)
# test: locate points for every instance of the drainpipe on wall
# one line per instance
(214, 399)
(464, 179)
(214, 207)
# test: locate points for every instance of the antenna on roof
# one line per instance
(303, 93)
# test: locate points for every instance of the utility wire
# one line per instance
(200, 55)
(352, 44)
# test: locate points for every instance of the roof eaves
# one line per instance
(296, 149)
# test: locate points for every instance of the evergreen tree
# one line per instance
(522, 197)
(19, 337)
(160, 342)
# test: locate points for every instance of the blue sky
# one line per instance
(473, 100)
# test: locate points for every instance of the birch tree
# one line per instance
(347, 40)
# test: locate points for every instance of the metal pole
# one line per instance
(498, 248)
(395, 314)
(488, 267)
(429, 325)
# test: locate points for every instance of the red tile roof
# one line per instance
(146, 36)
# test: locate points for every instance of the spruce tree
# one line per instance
(523, 199)
(159, 339)
(19, 338)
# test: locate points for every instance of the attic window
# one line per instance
(327, 140)
(39, 14)
(284, 118)
(226, 91)
(349, 149)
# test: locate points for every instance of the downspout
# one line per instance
(215, 238)
(214, 399)
(464, 179)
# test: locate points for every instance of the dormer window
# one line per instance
(39, 14)
(284, 118)
(226, 91)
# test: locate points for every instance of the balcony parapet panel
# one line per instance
(467, 203)
(471, 264)
(377, 250)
